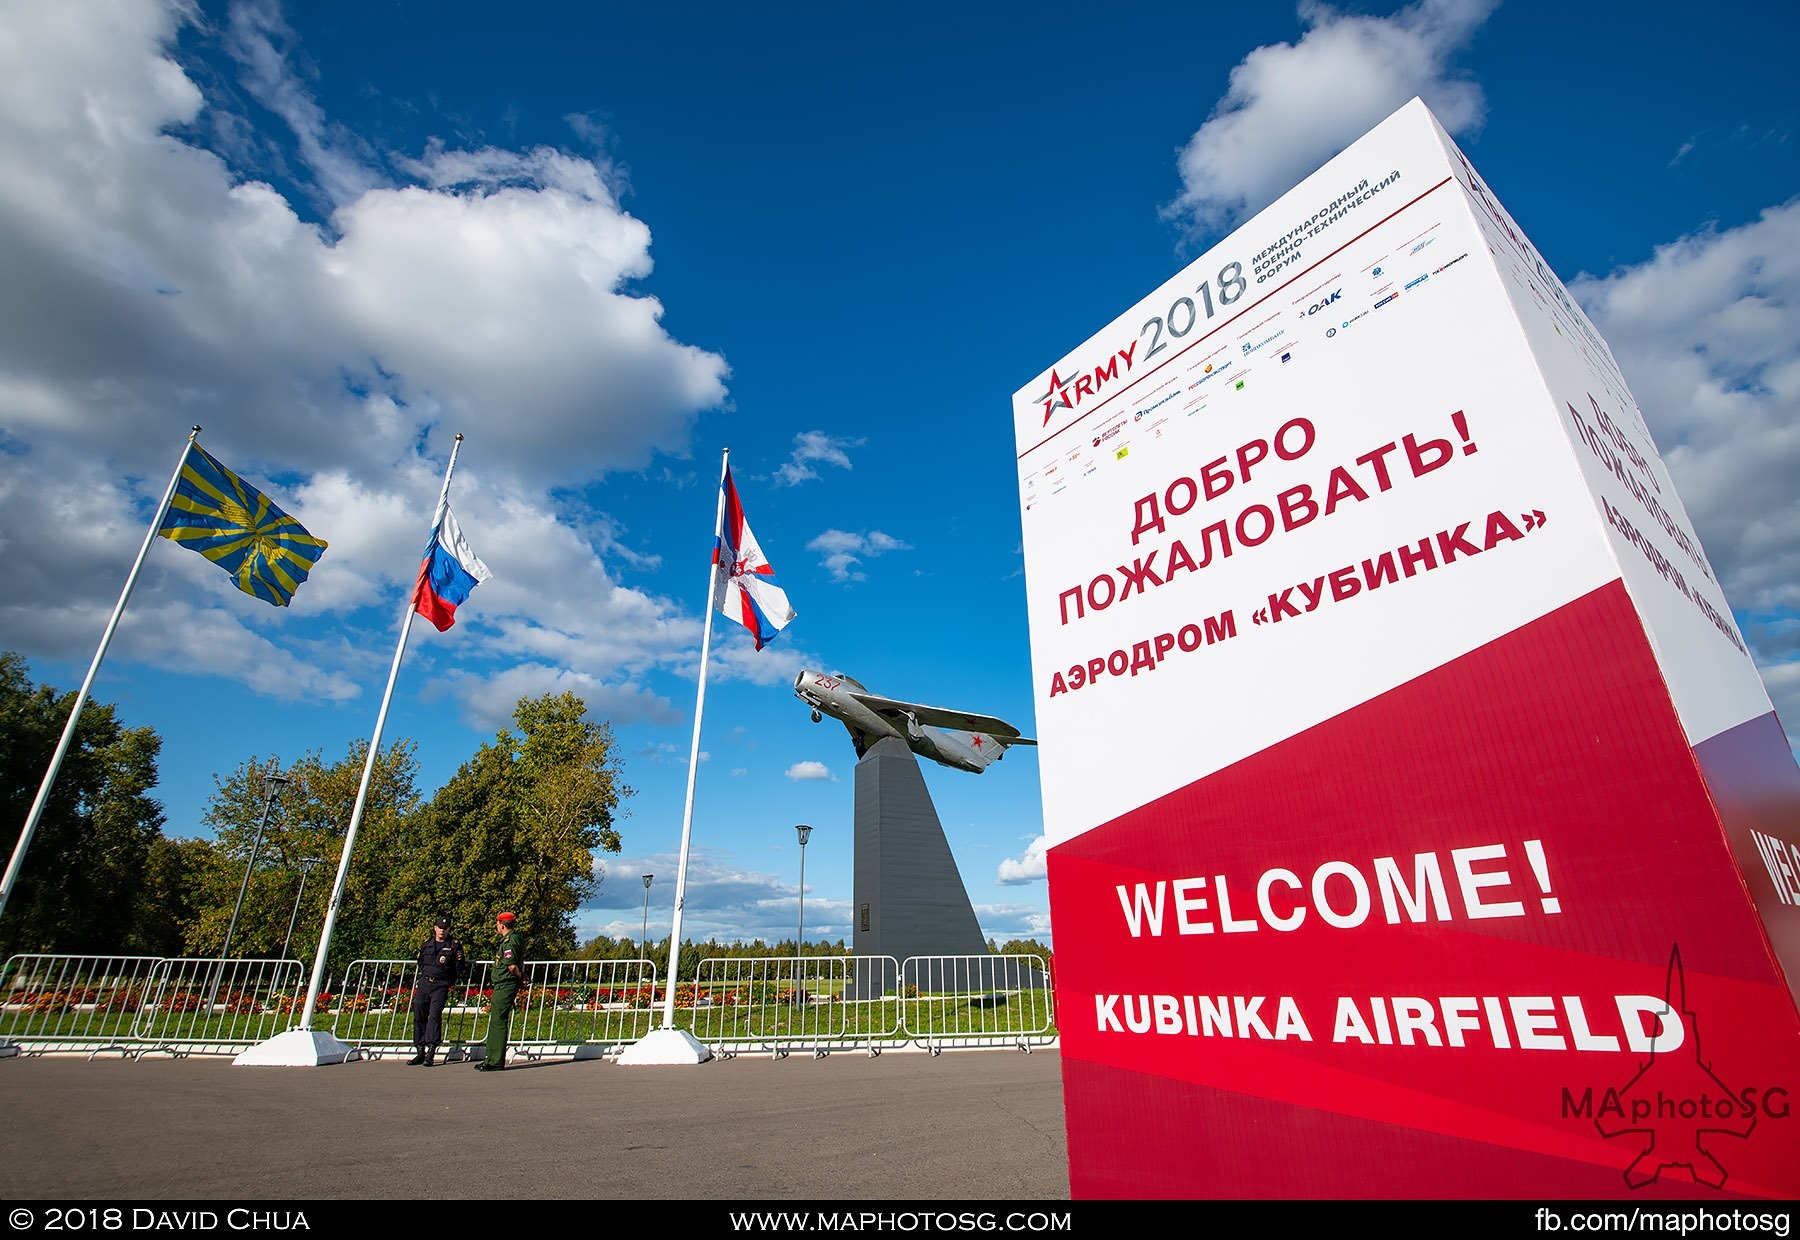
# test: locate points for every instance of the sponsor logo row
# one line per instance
(1326, 305)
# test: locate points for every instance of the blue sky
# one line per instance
(605, 242)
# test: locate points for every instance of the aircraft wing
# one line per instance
(937, 716)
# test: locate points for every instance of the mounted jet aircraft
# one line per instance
(955, 738)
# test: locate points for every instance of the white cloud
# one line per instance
(1291, 106)
(153, 284)
(1708, 334)
(812, 446)
(734, 656)
(1027, 868)
(488, 702)
(810, 770)
(844, 550)
(720, 899)
(1004, 922)
(337, 158)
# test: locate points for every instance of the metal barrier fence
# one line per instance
(957, 1001)
(580, 1008)
(786, 1003)
(136, 1005)
(870, 1003)
(214, 1006)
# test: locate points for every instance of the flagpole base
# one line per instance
(665, 1046)
(298, 1048)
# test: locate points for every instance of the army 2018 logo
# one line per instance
(1679, 1111)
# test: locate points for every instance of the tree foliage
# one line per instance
(517, 827)
(83, 871)
(1025, 947)
(309, 818)
(171, 898)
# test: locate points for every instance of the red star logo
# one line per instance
(1055, 397)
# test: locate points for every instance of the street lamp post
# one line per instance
(306, 866)
(803, 832)
(644, 934)
(275, 785)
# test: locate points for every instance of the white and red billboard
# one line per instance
(1419, 823)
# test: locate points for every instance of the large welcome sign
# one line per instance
(1419, 823)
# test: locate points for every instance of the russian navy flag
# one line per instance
(744, 585)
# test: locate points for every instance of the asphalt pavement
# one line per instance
(963, 1126)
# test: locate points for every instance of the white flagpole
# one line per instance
(362, 791)
(37, 807)
(687, 815)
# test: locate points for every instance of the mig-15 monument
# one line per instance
(910, 898)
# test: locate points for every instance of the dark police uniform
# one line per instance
(509, 955)
(440, 967)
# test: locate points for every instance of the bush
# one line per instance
(122, 999)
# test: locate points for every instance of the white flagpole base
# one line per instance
(665, 1046)
(298, 1048)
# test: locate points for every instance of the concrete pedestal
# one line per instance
(298, 1048)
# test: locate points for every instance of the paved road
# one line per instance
(903, 1126)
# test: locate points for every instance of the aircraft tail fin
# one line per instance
(971, 749)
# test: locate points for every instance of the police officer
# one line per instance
(440, 967)
(508, 976)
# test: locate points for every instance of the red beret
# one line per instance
(506, 917)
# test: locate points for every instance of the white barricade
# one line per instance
(577, 1008)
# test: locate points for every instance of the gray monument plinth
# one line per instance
(910, 898)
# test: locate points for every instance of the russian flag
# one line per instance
(449, 571)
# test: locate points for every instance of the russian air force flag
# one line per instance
(240, 529)
(449, 571)
(744, 586)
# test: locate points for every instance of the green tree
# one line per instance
(1027, 947)
(604, 947)
(517, 827)
(310, 818)
(84, 868)
(171, 897)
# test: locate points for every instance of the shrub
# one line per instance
(122, 999)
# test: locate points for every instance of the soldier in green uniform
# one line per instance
(508, 976)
